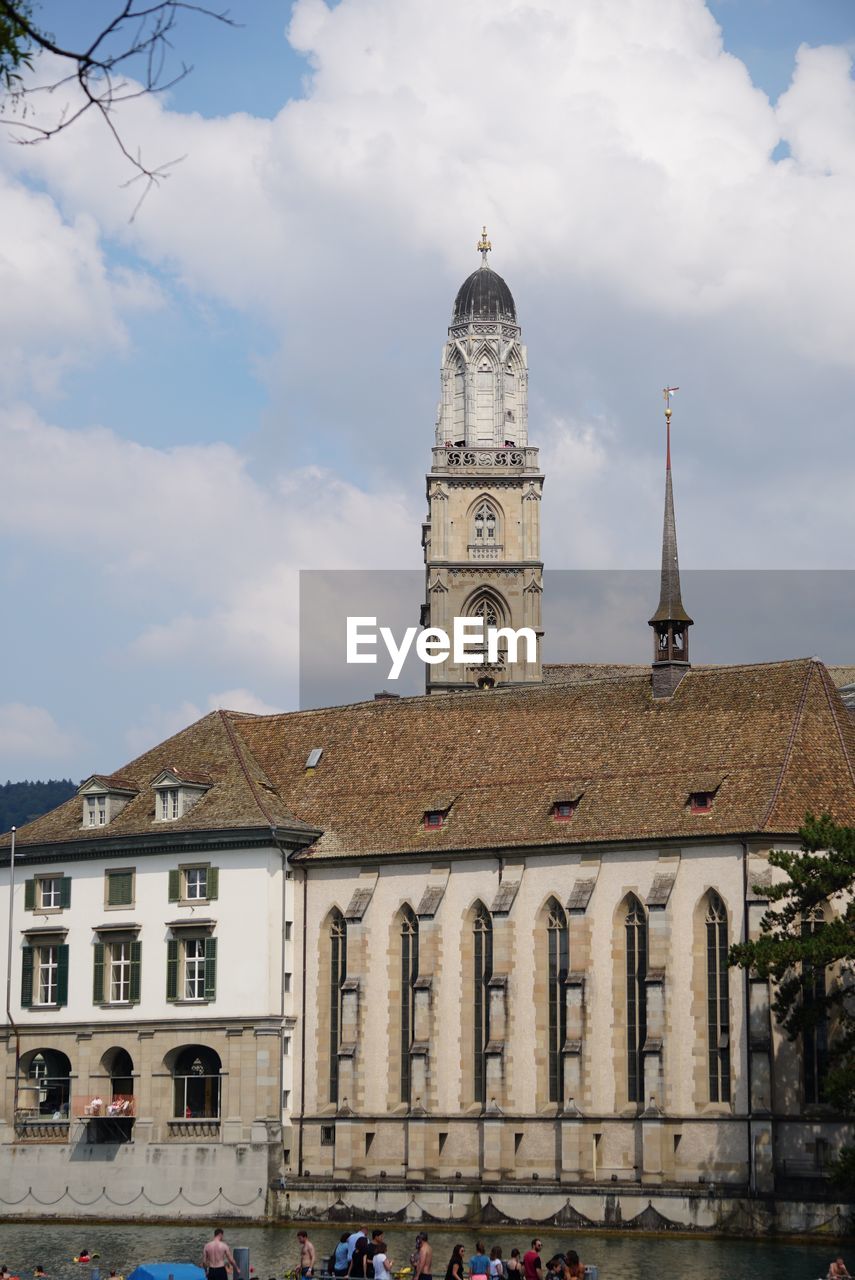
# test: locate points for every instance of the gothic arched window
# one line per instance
(409, 974)
(718, 1000)
(486, 524)
(559, 962)
(482, 928)
(815, 1035)
(338, 973)
(635, 923)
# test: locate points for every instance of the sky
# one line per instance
(237, 380)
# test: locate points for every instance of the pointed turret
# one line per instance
(670, 622)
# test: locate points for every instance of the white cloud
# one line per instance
(61, 302)
(188, 539)
(29, 733)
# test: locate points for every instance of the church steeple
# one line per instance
(670, 622)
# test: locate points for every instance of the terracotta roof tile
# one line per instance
(775, 735)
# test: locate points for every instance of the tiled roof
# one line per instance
(776, 735)
(240, 794)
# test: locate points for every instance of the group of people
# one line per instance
(360, 1256)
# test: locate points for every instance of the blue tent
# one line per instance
(165, 1270)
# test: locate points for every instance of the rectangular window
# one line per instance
(46, 975)
(434, 818)
(194, 969)
(169, 803)
(286, 1099)
(327, 1135)
(286, 982)
(120, 972)
(91, 810)
(288, 930)
(196, 883)
(50, 893)
(286, 1046)
(120, 888)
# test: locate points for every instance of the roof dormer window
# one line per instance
(563, 810)
(169, 806)
(177, 792)
(701, 801)
(104, 798)
(434, 818)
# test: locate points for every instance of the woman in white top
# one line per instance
(382, 1264)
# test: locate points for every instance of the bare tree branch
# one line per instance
(143, 33)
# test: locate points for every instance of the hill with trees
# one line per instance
(20, 802)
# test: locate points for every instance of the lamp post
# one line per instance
(9, 1017)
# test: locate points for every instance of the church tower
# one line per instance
(482, 536)
(670, 622)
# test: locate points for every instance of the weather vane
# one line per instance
(484, 246)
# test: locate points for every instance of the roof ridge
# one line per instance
(790, 744)
(236, 747)
(835, 715)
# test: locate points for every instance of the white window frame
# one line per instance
(193, 977)
(119, 958)
(92, 810)
(201, 882)
(55, 892)
(170, 803)
(46, 975)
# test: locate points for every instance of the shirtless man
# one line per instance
(424, 1262)
(307, 1254)
(837, 1270)
(215, 1255)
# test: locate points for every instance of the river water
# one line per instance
(273, 1250)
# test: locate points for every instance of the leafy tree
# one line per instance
(795, 947)
(20, 802)
(136, 41)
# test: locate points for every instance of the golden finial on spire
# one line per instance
(484, 246)
(667, 392)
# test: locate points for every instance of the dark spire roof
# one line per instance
(670, 601)
(484, 296)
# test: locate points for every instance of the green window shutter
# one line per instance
(120, 887)
(29, 895)
(136, 971)
(98, 973)
(62, 974)
(213, 879)
(210, 968)
(27, 957)
(172, 968)
(174, 885)
(65, 893)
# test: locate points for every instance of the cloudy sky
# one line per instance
(241, 380)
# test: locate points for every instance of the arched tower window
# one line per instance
(815, 1035)
(718, 1000)
(486, 524)
(409, 974)
(338, 973)
(558, 954)
(482, 927)
(635, 923)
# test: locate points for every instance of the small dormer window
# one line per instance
(563, 810)
(701, 801)
(104, 798)
(169, 798)
(434, 818)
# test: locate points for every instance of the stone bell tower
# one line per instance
(482, 535)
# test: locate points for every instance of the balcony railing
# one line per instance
(509, 459)
(120, 1106)
(195, 1129)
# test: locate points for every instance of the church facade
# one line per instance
(387, 957)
